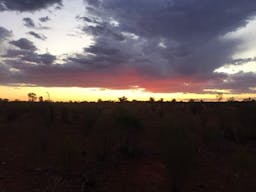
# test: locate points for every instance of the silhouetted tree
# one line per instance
(151, 99)
(174, 101)
(231, 99)
(32, 97)
(219, 97)
(248, 100)
(123, 99)
(4, 100)
(161, 100)
(99, 101)
(41, 99)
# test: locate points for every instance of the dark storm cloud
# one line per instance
(28, 22)
(37, 35)
(27, 5)
(180, 19)
(24, 44)
(44, 19)
(190, 29)
(174, 38)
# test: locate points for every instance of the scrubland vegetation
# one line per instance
(127, 146)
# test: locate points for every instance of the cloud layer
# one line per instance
(28, 5)
(162, 46)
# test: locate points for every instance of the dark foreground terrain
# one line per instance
(127, 147)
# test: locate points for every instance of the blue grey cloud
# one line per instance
(190, 30)
(28, 5)
(172, 38)
(24, 44)
(37, 35)
(44, 19)
(28, 22)
(4, 33)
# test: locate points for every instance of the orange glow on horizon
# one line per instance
(93, 94)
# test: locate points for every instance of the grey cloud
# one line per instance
(87, 19)
(5, 36)
(16, 53)
(242, 61)
(128, 35)
(101, 50)
(183, 20)
(107, 54)
(38, 36)
(238, 83)
(40, 59)
(93, 2)
(4, 73)
(47, 58)
(28, 22)
(24, 44)
(4, 33)
(28, 5)
(190, 30)
(44, 19)
(24, 58)
(104, 30)
(2, 6)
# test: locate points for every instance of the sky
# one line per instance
(91, 49)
